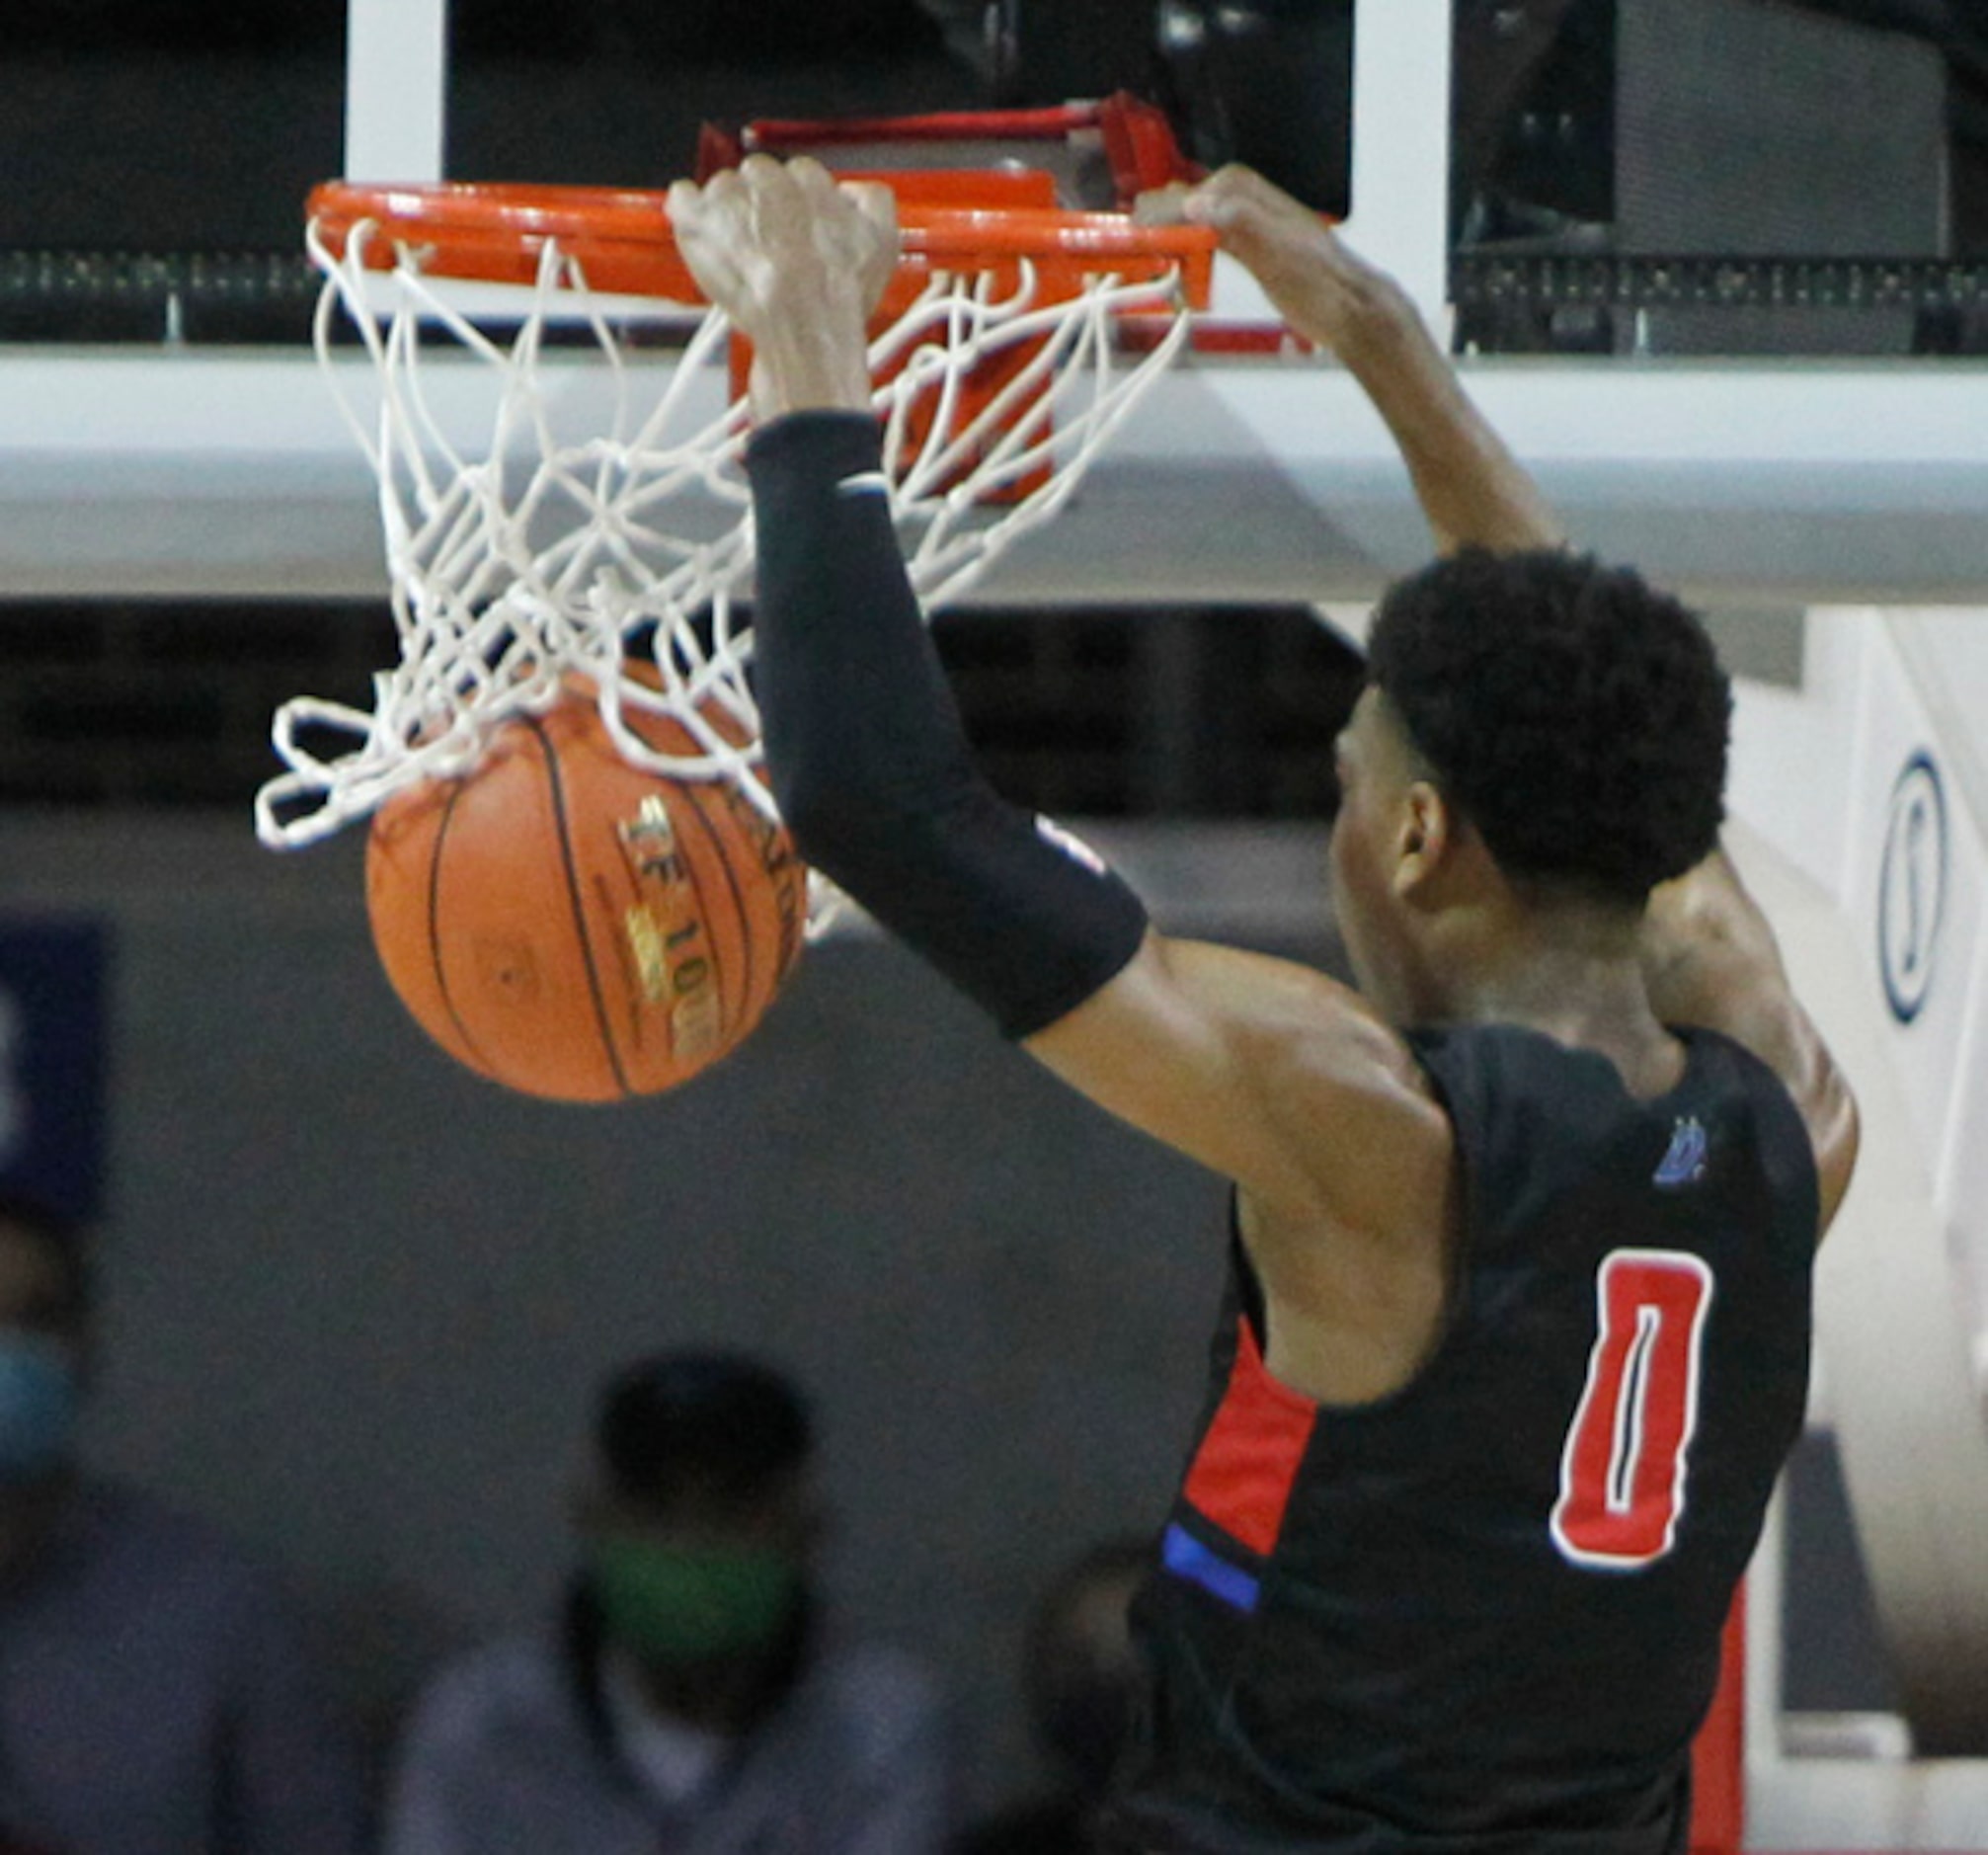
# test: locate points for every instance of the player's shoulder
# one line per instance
(1504, 1060)
(1522, 1099)
(1362, 1119)
(1519, 1101)
(1303, 1024)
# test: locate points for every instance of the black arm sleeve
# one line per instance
(869, 762)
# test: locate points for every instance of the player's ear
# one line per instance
(1425, 835)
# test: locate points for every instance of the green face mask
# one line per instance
(682, 1604)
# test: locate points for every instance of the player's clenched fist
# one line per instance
(798, 262)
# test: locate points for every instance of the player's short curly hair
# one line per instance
(1576, 716)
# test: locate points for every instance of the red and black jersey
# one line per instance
(1483, 1612)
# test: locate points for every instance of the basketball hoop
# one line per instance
(558, 451)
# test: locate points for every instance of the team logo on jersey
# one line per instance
(1683, 1163)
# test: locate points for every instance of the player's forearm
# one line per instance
(1473, 490)
(811, 364)
(869, 760)
(856, 710)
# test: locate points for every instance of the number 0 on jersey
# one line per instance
(1622, 1472)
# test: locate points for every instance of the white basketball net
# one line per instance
(552, 508)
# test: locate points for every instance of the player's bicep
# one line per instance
(1263, 1070)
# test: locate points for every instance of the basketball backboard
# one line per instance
(170, 462)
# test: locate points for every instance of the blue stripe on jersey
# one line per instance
(1185, 1557)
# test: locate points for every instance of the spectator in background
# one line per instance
(1081, 1677)
(154, 1695)
(691, 1696)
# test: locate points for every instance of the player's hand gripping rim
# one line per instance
(798, 262)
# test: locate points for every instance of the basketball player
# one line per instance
(1518, 1330)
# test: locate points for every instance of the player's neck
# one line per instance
(1576, 979)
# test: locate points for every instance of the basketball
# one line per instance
(577, 927)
